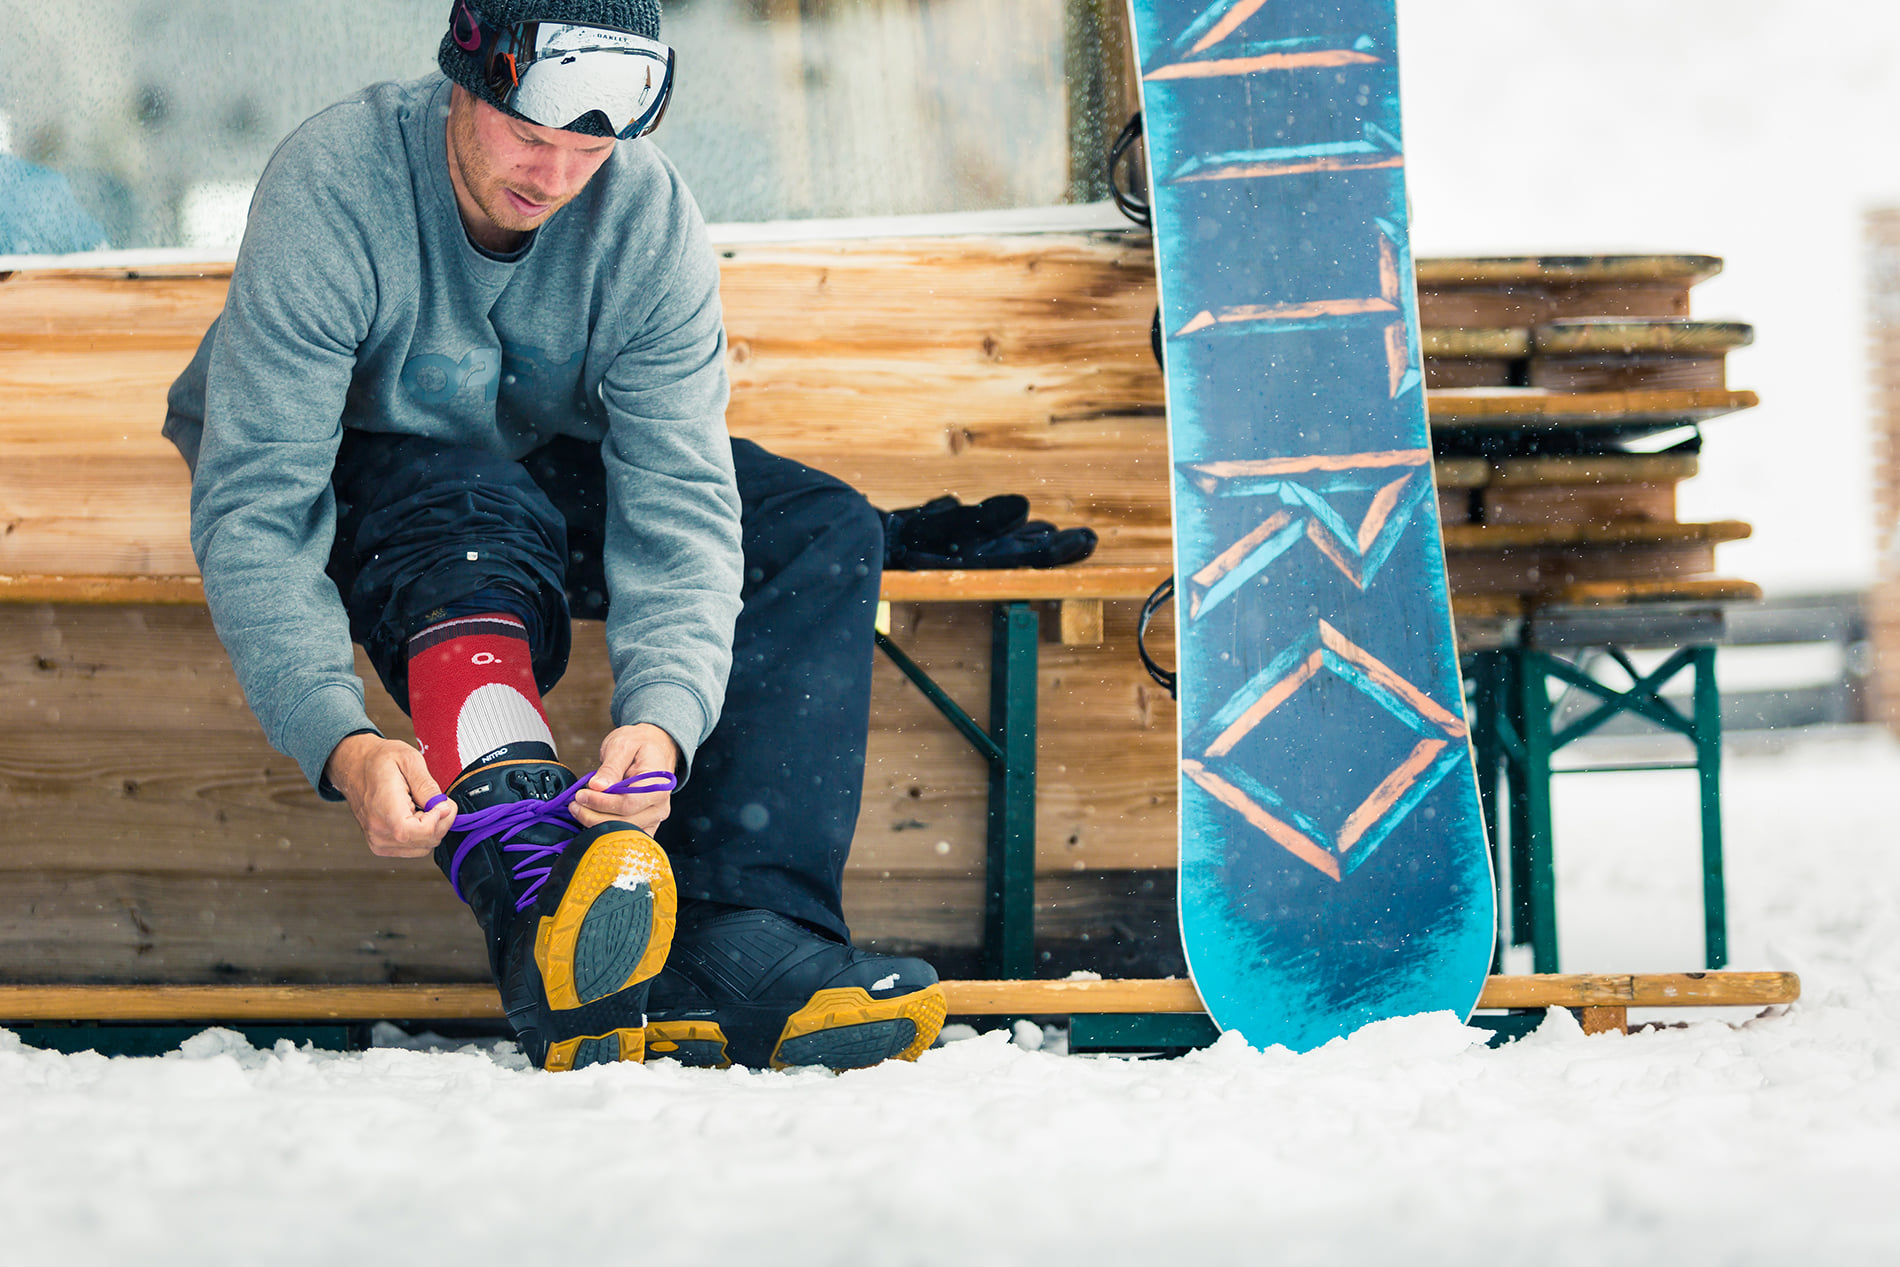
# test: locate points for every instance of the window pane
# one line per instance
(156, 116)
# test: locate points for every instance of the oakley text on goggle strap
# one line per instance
(556, 73)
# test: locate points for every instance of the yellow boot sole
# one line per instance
(848, 1029)
(597, 1049)
(580, 950)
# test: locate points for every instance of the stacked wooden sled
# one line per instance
(1568, 397)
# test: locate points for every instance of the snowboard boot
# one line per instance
(754, 988)
(578, 919)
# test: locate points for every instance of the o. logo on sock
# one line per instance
(484, 657)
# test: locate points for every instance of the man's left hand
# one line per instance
(625, 752)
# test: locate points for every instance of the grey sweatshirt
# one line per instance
(358, 301)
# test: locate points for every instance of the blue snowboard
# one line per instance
(1334, 869)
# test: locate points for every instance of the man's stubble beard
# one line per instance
(484, 186)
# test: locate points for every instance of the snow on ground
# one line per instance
(1772, 1141)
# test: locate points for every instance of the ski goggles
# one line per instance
(557, 73)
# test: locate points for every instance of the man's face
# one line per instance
(511, 175)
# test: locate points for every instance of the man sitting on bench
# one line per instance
(469, 383)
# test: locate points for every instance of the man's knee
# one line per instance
(423, 528)
(856, 527)
(792, 510)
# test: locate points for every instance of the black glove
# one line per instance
(995, 533)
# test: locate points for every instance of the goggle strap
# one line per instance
(466, 27)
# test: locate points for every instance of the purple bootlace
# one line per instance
(534, 861)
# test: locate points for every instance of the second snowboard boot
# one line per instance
(754, 988)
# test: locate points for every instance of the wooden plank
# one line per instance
(1478, 607)
(1094, 917)
(1577, 504)
(1606, 469)
(990, 998)
(174, 590)
(453, 1001)
(1080, 622)
(1457, 505)
(1604, 1020)
(1080, 581)
(1452, 472)
(1666, 989)
(1606, 373)
(1517, 407)
(1635, 535)
(1617, 593)
(1453, 373)
(154, 1003)
(1442, 272)
(1547, 573)
(1527, 305)
(67, 925)
(1505, 344)
(87, 310)
(1590, 336)
(107, 510)
(1608, 335)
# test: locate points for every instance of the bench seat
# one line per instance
(1604, 1000)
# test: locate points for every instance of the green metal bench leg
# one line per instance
(1488, 754)
(1009, 904)
(1009, 746)
(1708, 755)
(1533, 794)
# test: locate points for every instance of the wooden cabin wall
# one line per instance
(154, 836)
(1017, 364)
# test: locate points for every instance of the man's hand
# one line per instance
(625, 752)
(385, 780)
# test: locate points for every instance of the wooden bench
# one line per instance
(1124, 1014)
(160, 840)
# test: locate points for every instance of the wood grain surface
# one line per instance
(450, 1001)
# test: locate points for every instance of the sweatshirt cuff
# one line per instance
(674, 709)
(321, 721)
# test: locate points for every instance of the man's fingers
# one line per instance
(646, 811)
(415, 772)
(398, 826)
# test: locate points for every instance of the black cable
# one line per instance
(1163, 592)
(1134, 208)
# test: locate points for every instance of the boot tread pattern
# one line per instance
(590, 947)
(848, 1029)
(613, 939)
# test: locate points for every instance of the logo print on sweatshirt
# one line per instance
(530, 374)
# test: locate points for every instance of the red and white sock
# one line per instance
(471, 690)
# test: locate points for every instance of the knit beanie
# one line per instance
(642, 17)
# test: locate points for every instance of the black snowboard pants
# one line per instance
(767, 816)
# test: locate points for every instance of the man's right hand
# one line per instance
(385, 781)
